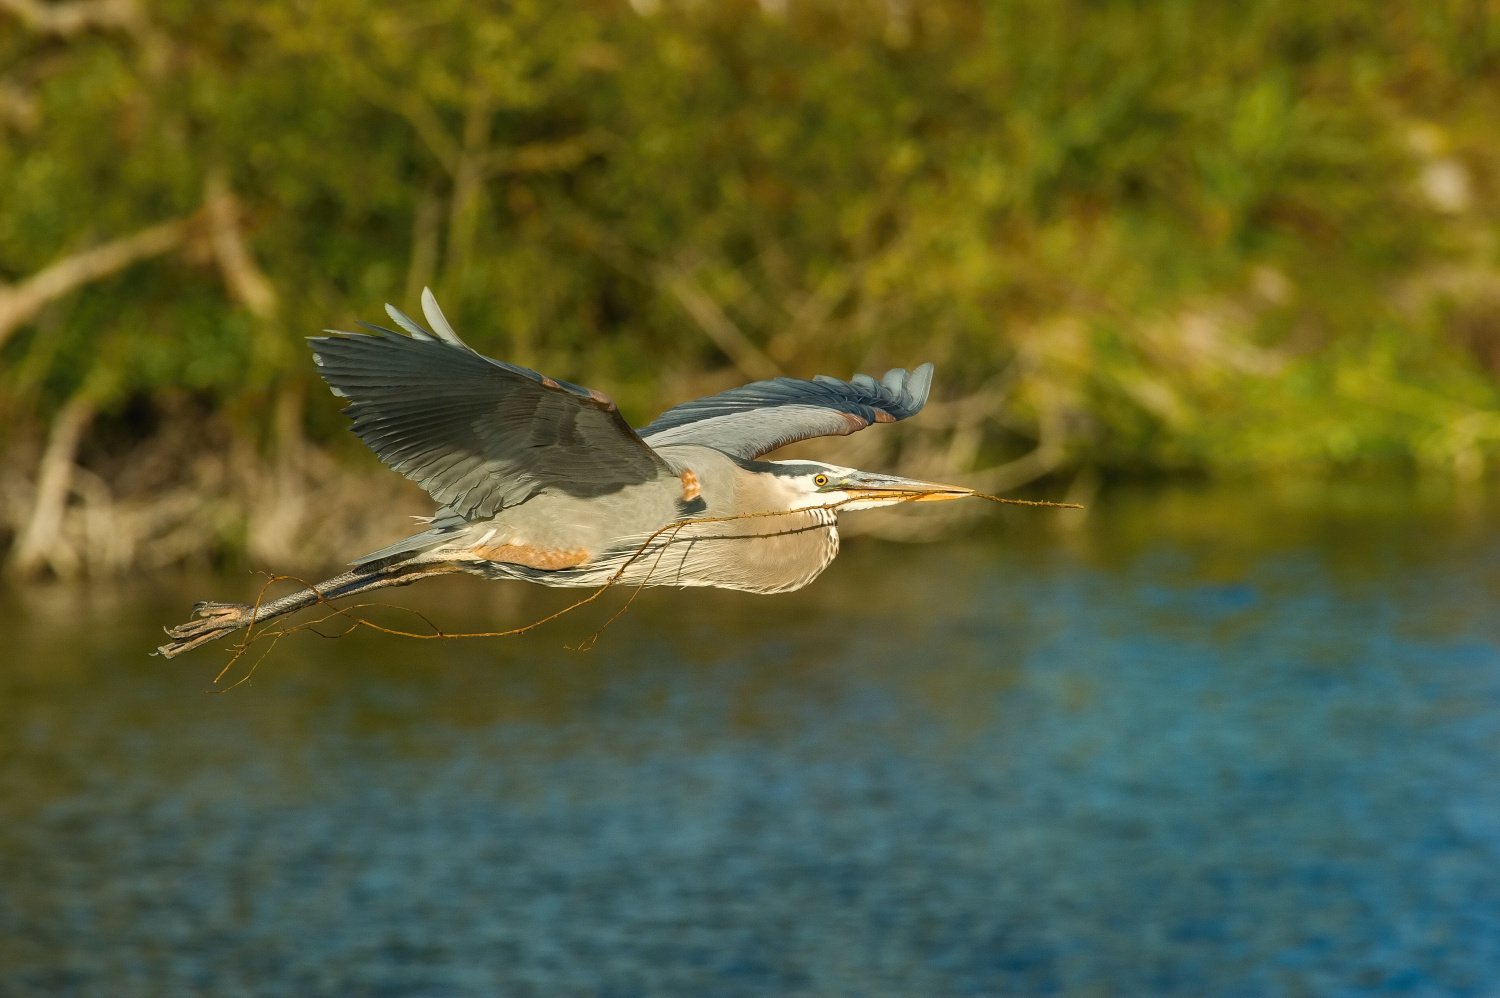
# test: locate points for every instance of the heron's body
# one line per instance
(684, 529)
(687, 527)
(543, 481)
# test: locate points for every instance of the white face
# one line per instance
(851, 489)
(820, 486)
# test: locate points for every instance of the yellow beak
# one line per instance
(894, 489)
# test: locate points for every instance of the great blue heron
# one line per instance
(543, 480)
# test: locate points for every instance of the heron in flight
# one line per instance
(544, 481)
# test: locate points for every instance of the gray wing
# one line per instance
(760, 417)
(478, 434)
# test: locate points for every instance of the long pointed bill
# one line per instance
(889, 488)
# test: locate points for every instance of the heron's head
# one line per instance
(819, 484)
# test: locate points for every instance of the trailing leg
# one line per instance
(212, 621)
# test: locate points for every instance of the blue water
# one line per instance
(1198, 747)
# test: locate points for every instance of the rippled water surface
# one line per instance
(1210, 743)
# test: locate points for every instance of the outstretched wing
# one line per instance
(760, 417)
(478, 434)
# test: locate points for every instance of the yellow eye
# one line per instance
(820, 481)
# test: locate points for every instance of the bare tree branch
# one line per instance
(245, 280)
(18, 107)
(468, 182)
(426, 227)
(725, 334)
(547, 157)
(1047, 457)
(20, 302)
(1024, 470)
(275, 520)
(38, 544)
(697, 302)
(420, 114)
(76, 17)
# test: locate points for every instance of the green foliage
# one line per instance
(1178, 234)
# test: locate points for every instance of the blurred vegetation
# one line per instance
(1172, 235)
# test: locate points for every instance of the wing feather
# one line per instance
(478, 434)
(758, 418)
(407, 323)
(438, 320)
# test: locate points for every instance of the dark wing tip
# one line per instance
(901, 393)
(918, 386)
(757, 418)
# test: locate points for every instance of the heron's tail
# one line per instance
(442, 525)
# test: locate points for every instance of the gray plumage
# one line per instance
(544, 481)
(761, 417)
(478, 434)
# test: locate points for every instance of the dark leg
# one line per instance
(214, 620)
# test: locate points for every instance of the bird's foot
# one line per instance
(210, 622)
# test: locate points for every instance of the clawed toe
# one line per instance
(212, 620)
